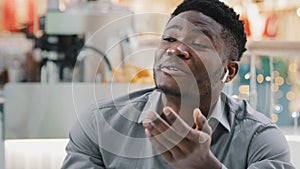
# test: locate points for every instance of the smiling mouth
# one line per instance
(172, 70)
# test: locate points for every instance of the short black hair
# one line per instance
(233, 29)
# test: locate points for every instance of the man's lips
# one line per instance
(172, 69)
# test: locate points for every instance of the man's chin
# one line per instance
(168, 91)
(170, 86)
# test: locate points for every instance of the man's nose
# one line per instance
(179, 50)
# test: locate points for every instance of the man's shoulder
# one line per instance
(243, 112)
(132, 98)
(131, 103)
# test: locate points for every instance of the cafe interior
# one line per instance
(59, 56)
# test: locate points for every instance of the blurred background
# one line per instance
(59, 56)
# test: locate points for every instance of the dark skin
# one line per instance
(189, 67)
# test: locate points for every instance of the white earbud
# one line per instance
(225, 76)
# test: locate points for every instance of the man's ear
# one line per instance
(232, 67)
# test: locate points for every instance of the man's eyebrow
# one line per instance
(203, 31)
(174, 27)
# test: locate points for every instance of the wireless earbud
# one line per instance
(225, 76)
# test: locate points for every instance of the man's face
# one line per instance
(188, 60)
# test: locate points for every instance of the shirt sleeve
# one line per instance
(269, 149)
(82, 150)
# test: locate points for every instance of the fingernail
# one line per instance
(167, 113)
(146, 122)
(147, 132)
(195, 113)
(199, 112)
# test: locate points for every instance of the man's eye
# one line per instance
(169, 39)
(199, 45)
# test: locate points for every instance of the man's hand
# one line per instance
(180, 145)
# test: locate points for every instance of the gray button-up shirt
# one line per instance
(111, 135)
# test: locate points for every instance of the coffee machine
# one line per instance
(59, 46)
(70, 29)
(59, 53)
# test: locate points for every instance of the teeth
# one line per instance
(171, 68)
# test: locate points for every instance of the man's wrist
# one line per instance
(213, 162)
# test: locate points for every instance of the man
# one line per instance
(186, 122)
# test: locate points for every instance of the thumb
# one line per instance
(201, 122)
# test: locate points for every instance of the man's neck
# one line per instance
(183, 106)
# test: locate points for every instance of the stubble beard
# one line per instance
(165, 89)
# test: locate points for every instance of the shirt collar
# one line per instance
(217, 115)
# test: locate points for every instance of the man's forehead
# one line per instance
(195, 22)
(193, 19)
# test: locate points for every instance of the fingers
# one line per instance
(173, 119)
(198, 121)
(172, 126)
(162, 131)
(169, 152)
(160, 145)
(202, 124)
(173, 131)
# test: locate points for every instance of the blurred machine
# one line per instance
(59, 53)
(81, 39)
